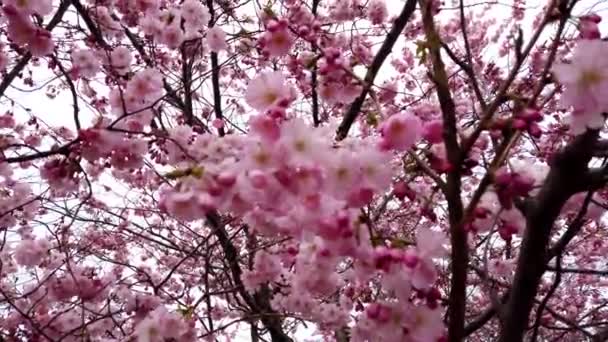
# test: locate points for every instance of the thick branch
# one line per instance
(313, 80)
(215, 75)
(564, 179)
(458, 236)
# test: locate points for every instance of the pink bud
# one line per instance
(258, 179)
(303, 30)
(589, 29)
(277, 113)
(379, 313)
(292, 250)
(400, 190)
(265, 127)
(215, 190)
(433, 131)
(503, 177)
(226, 179)
(284, 103)
(312, 202)
(360, 197)
(535, 130)
(410, 259)
(519, 124)
(273, 26)
(531, 114)
(592, 17)
(218, 123)
(206, 202)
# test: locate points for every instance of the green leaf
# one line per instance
(186, 312)
(195, 171)
(421, 50)
(372, 119)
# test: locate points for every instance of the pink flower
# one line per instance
(85, 62)
(41, 43)
(260, 156)
(19, 29)
(588, 26)
(194, 14)
(377, 12)
(187, 206)
(216, 39)
(277, 40)
(578, 124)
(28, 7)
(30, 252)
(342, 173)
(586, 84)
(151, 26)
(400, 131)
(300, 143)
(266, 267)
(120, 59)
(265, 127)
(433, 131)
(128, 153)
(146, 85)
(148, 331)
(337, 92)
(218, 123)
(172, 36)
(7, 121)
(267, 90)
(424, 324)
(429, 243)
(500, 267)
(376, 170)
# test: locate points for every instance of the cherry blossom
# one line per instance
(86, 63)
(267, 90)
(277, 40)
(585, 81)
(401, 131)
(216, 39)
(302, 170)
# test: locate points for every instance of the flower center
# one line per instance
(342, 173)
(396, 128)
(590, 77)
(270, 98)
(300, 145)
(262, 158)
(279, 39)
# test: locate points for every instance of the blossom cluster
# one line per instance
(287, 179)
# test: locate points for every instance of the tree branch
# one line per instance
(16, 70)
(458, 236)
(384, 51)
(313, 80)
(259, 302)
(564, 180)
(215, 75)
